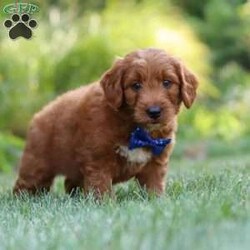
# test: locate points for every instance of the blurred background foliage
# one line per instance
(76, 41)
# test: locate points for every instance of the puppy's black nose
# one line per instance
(154, 112)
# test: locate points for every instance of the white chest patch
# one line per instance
(135, 156)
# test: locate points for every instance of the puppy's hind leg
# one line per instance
(34, 175)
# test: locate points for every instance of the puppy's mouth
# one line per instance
(154, 122)
(151, 124)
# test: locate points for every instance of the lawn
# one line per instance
(206, 206)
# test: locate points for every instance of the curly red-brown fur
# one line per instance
(83, 134)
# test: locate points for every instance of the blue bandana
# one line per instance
(140, 138)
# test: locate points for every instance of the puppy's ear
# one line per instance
(189, 84)
(112, 86)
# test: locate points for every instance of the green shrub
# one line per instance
(10, 151)
(85, 63)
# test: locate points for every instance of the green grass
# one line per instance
(206, 206)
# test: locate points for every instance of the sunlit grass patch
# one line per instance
(203, 208)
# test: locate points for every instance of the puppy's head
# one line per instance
(151, 84)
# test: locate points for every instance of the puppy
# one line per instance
(110, 131)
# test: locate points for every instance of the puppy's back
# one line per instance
(52, 130)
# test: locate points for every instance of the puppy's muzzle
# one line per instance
(154, 112)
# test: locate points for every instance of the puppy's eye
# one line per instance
(136, 86)
(167, 84)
